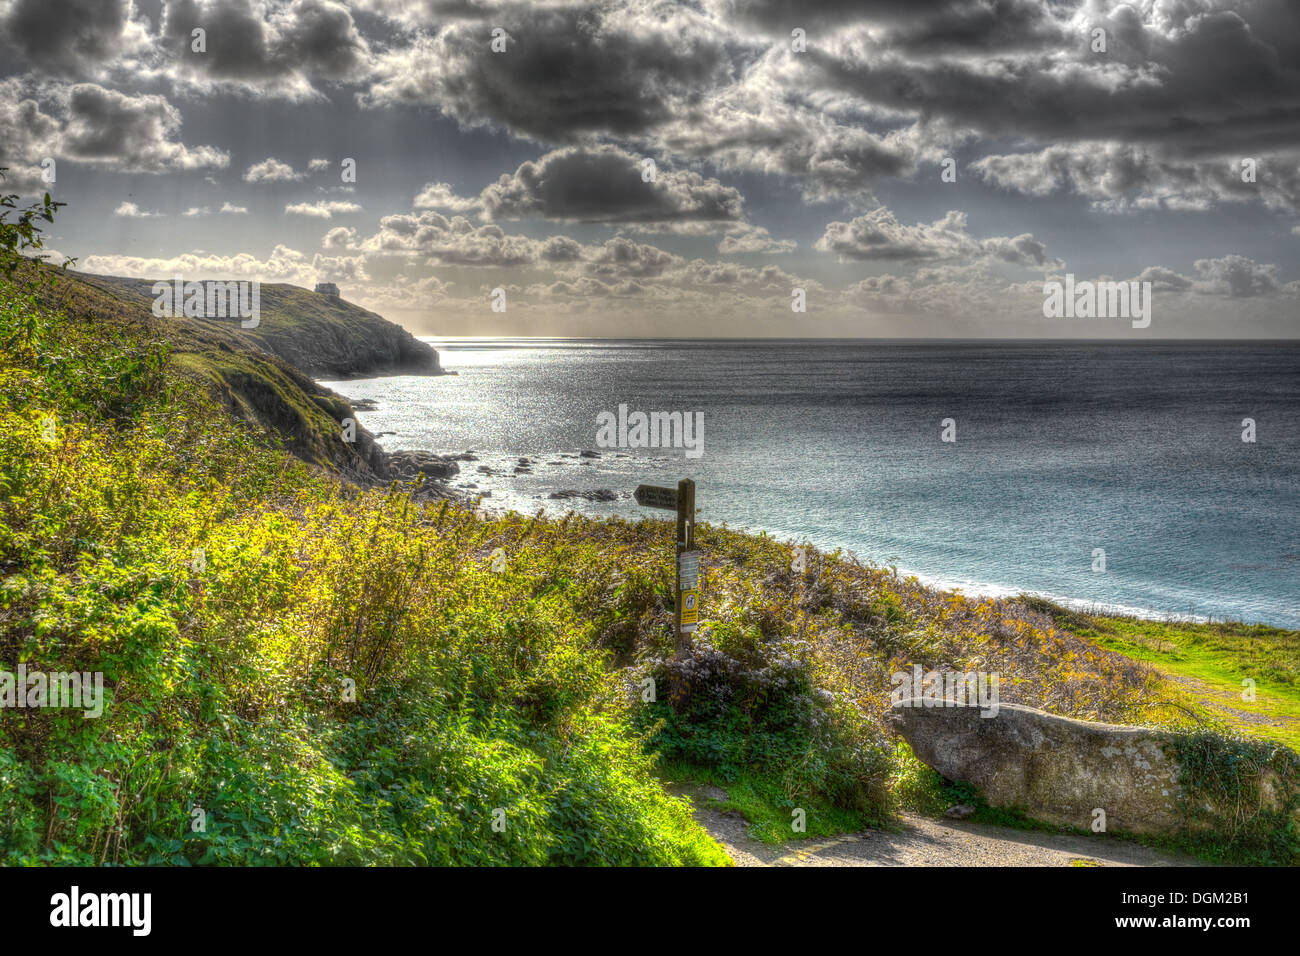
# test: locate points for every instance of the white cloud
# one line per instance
(753, 239)
(283, 265)
(325, 209)
(1231, 276)
(879, 236)
(129, 210)
(271, 170)
(1119, 177)
(442, 196)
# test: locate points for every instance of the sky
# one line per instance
(631, 168)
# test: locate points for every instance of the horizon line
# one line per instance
(952, 340)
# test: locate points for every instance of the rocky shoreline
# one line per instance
(435, 472)
(430, 474)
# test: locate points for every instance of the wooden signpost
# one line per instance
(686, 617)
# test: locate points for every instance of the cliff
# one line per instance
(319, 334)
(263, 375)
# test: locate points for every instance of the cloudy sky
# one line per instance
(640, 168)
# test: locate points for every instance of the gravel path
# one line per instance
(924, 842)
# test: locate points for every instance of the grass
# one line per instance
(238, 369)
(1215, 658)
(767, 806)
(341, 338)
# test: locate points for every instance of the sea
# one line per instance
(1106, 476)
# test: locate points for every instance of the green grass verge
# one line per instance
(1215, 658)
(767, 806)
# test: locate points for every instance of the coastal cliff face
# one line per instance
(327, 337)
(264, 375)
(319, 334)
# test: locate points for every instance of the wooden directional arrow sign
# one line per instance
(686, 616)
(654, 496)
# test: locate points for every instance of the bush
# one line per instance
(755, 708)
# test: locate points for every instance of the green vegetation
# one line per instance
(217, 360)
(21, 240)
(319, 335)
(227, 669)
(768, 803)
(1225, 782)
(1210, 660)
(324, 673)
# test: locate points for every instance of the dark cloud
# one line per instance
(606, 184)
(91, 124)
(971, 26)
(784, 15)
(276, 48)
(1191, 76)
(27, 135)
(129, 133)
(424, 13)
(568, 72)
(976, 27)
(757, 126)
(66, 37)
(321, 39)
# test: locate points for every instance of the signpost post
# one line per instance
(686, 616)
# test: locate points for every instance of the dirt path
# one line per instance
(924, 842)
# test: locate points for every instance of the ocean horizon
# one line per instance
(1064, 456)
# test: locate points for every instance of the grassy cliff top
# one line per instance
(243, 370)
(321, 335)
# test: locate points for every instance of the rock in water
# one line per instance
(1055, 769)
(406, 465)
(598, 494)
